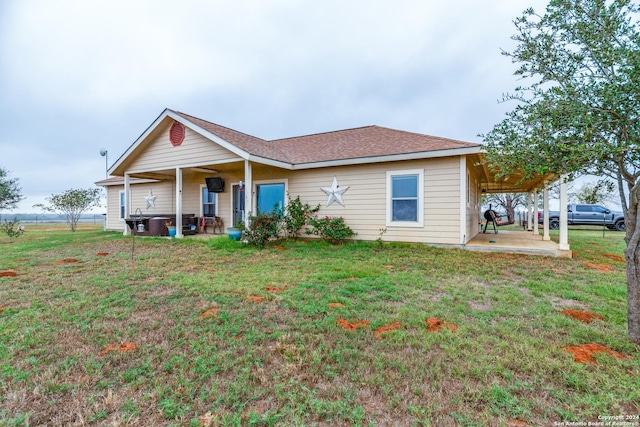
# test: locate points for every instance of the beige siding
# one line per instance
(473, 204)
(365, 201)
(194, 150)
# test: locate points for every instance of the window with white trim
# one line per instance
(121, 213)
(209, 202)
(405, 198)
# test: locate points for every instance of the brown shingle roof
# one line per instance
(363, 142)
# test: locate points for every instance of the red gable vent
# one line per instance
(176, 134)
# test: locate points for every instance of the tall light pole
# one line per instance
(104, 153)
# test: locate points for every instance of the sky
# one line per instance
(77, 77)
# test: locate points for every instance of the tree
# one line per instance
(10, 192)
(508, 202)
(72, 203)
(580, 110)
(596, 192)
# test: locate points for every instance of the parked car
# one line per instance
(586, 214)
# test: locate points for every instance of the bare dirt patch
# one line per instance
(562, 303)
(435, 324)
(335, 304)
(385, 328)
(352, 326)
(126, 347)
(616, 258)
(273, 289)
(212, 312)
(2, 307)
(255, 299)
(8, 273)
(584, 353)
(279, 248)
(583, 316)
(604, 268)
(66, 261)
(480, 306)
(102, 254)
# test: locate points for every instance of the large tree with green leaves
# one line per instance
(10, 191)
(578, 111)
(72, 203)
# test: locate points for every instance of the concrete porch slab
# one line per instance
(519, 242)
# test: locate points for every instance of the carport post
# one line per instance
(535, 212)
(528, 211)
(545, 213)
(564, 229)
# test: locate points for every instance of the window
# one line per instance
(209, 202)
(270, 196)
(121, 209)
(405, 198)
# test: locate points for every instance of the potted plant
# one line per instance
(171, 228)
(235, 233)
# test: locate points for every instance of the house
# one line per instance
(419, 188)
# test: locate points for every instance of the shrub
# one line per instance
(11, 229)
(332, 230)
(262, 227)
(297, 216)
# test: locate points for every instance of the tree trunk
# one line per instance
(632, 257)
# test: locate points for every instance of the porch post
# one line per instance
(528, 211)
(463, 200)
(179, 203)
(248, 192)
(545, 212)
(535, 212)
(127, 202)
(564, 229)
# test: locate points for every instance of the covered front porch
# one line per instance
(529, 240)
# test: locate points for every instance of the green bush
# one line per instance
(11, 228)
(332, 230)
(297, 216)
(262, 227)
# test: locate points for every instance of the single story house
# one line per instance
(419, 188)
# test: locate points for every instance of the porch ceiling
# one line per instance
(514, 183)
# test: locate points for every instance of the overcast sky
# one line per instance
(80, 76)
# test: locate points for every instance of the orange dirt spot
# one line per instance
(584, 353)
(2, 307)
(255, 299)
(352, 326)
(605, 268)
(66, 261)
(279, 248)
(8, 273)
(212, 312)
(126, 347)
(102, 254)
(434, 325)
(335, 304)
(613, 257)
(583, 316)
(390, 327)
(272, 289)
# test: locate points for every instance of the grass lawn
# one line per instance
(209, 332)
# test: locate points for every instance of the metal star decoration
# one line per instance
(335, 192)
(151, 200)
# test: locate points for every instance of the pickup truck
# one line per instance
(587, 215)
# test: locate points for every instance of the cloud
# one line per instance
(77, 76)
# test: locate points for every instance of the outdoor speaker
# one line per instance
(215, 185)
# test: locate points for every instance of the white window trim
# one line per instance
(415, 224)
(203, 186)
(120, 206)
(254, 191)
